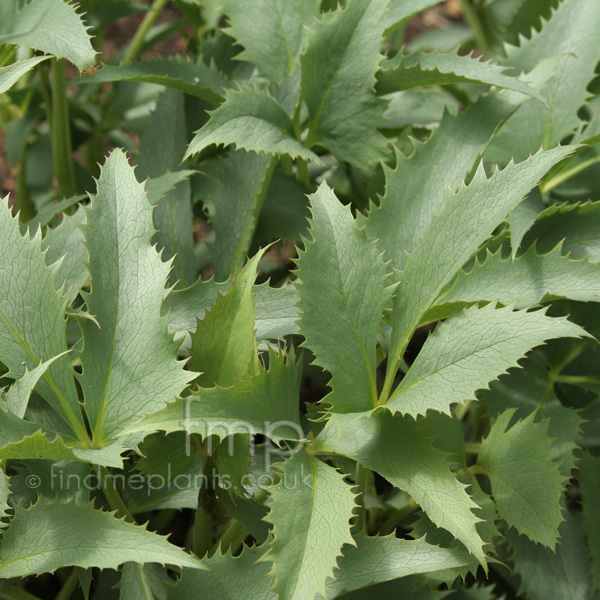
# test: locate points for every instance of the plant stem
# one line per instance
(577, 379)
(396, 516)
(112, 495)
(566, 174)
(472, 447)
(362, 478)
(137, 43)
(60, 132)
(69, 586)
(202, 534)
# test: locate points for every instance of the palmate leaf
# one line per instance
(377, 559)
(224, 345)
(233, 190)
(471, 214)
(130, 365)
(46, 536)
(274, 41)
(467, 351)
(34, 331)
(420, 68)
(52, 26)
(252, 120)
(338, 75)
(310, 512)
(267, 403)
(192, 77)
(342, 283)
(12, 73)
(589, 484)
(415, 189)
(230, 578)
(526, 483)
(395, 448)
(527, 280)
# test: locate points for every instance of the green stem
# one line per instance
(112, 495)
(476, 22)
(472, 447)
(137, 43)
(362, 479)
(566, 174)
(69, 586)
(577, 379)
(396, 516)
(60, 132)
(202, 534)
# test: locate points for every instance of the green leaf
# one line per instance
(233, 190)
(224, 345)
(396, 449)
(470, 349)
(267, 403)
(553, 575)
(523, 217)
(158, 187)
(526, 483)
(338, 75)
(471, 214)
(528, 14)
(275, 39)
(401, 10)
(527, 280)
(578, 225)
(4, 494)
(192, 77)
(161, 149)
(252, 120)
(377, 559)
(34, 331)
(230, 578)
(143, 582)
(589, 485)
(416, 188)
(12, 73)
(51, 26)
(130, 365)
(17, 397)
(420, 68)
(342, 283)
(310, 511)
(30, 545)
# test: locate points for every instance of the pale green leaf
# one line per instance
(396, 449)
(523, 217)
(158, 187)
(224, 345)
(252, 120)
(4, 494)
(46, 537)
(143, 582)
(526, 483)
(527, 14)
(338, 75)
(186, 75)
(230, 578)
(589, 485)
(130, 365)
(52, 26)
(527, 280)
(310, 512)
(12, 73)
(377, 559)
(420, 68)
(233, 190)
(342, 283)
(275, 39)
(34, 331)
(401, 10)
(470, 349)
(471, 215)
(267, 403)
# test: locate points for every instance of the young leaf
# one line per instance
(51, 26)
(31, 546)
(192, 77)
(420, 68)
(526, 483)
(471, 214)
(130, 365)
(310, 511)
(233, 189)
(34, 331)
(527, 280)
(338, 75)
(342, 283)
(12, 73)
(275, 39)
(395, 448)
(252, 120)
(377, 559)
(589, 484)
(224, 345)
(267, 403)
(469, 350)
